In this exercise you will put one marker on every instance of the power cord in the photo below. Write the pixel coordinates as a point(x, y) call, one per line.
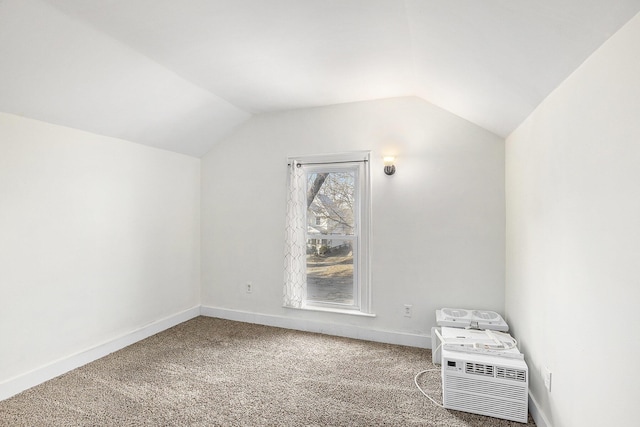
point(415, 380)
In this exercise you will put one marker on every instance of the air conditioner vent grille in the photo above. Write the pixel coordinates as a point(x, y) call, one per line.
point(487, 405)
point(511, 374)
point(485, 315)
point(479, 369)
point(455, 312)
point(486, 386)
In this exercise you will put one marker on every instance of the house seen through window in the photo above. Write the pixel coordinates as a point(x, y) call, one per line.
point(331, 236)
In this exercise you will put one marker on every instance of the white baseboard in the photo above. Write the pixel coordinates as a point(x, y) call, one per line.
point(348, 331)
point(536, 413)
point(37, 376)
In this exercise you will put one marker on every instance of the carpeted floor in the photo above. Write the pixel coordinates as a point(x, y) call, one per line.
point(213, 372)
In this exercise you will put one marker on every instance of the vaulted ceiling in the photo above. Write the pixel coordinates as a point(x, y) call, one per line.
point(182, 74)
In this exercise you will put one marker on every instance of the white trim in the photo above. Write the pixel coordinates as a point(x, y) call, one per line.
point(348, 331)
point(536, 413)
point(25, 381)
point(332, 309)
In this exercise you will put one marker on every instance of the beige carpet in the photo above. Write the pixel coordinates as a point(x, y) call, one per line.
point(213, 372)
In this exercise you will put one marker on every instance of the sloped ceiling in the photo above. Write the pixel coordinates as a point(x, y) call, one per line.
point(182, 74)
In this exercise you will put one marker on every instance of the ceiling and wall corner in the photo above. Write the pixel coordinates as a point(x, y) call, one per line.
point(573, 238)
point(61, 70)
point(182, 75)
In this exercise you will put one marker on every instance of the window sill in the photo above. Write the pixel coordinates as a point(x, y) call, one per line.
point(334, 310)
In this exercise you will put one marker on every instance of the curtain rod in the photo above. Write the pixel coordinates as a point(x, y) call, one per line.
point(329, 163)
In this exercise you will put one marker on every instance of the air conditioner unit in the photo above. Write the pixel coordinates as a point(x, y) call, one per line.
point(494, 386)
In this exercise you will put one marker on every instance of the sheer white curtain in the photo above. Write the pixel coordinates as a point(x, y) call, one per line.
point(295, 275)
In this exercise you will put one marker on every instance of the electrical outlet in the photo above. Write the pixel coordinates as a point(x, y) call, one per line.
point(546, 376)
point(249, 287)
point(408, 308)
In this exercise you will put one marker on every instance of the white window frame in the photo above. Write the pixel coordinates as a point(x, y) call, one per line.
point(359, 162)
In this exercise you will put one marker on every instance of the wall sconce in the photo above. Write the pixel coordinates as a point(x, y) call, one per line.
point(389, 167)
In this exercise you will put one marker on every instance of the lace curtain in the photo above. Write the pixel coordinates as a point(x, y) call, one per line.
point(295, 275)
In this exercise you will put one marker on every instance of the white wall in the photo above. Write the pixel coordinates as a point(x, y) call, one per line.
point(98, 237)
point(573, 239)
point(438, 223)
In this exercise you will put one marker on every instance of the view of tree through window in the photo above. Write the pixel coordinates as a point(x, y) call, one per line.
point(331, 234)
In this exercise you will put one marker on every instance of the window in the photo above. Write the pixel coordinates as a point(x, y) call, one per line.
point(327, 256)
